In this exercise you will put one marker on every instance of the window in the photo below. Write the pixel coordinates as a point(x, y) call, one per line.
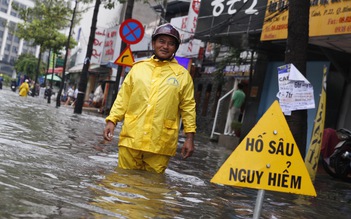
point(13, 13)
point(2, 23)
point(14, 49)
point(9, 37)
point(5, 58)
point(12, 60)
point(8, 47)
point(16, 39)
point(4, 5)
point(5, 2)
point(3, 10)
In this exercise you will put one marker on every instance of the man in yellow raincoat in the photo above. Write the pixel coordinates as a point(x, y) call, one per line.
point(24, 88)
point(155, 94)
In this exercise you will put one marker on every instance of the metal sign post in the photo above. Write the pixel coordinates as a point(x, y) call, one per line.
point(259, 203)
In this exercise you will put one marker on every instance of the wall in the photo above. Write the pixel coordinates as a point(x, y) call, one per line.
point(207, 93)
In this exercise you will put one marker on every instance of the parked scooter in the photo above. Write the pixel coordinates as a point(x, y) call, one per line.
point(336, 154)
point(13, 86)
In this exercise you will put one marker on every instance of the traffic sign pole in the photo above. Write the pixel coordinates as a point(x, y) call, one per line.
point(259, 204)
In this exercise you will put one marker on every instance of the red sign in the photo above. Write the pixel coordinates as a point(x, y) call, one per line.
point(131, 31)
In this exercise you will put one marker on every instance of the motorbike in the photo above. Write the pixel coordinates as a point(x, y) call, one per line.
point(13, 86)
point(336, 154)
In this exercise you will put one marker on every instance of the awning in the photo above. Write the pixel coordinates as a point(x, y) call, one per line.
point(51, 77)
point(94, 68)
point(56, 70)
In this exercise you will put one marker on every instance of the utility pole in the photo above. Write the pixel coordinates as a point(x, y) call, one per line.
point(296, 53)
point(47, 68)
point(128, 15)
point(37, 72)
point(58, 99)
point(82, 86)
point(163, 12)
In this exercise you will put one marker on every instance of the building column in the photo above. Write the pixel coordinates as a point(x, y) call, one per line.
point(3, 45)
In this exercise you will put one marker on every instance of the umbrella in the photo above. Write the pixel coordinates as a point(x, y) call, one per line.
point(51, 77)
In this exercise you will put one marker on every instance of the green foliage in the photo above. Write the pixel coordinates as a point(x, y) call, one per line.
point(7, 80)
point(27, 64)
point(111, 3)
point(43, 22)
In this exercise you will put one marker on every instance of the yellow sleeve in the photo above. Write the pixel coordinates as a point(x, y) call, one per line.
point(121, 102)
point(188, 106)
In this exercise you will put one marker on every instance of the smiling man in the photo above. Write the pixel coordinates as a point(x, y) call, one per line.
point(155, 94)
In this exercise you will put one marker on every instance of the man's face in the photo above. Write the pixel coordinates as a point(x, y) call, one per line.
point(164, 46)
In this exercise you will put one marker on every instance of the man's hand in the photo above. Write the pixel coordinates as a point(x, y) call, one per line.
point(188, 146)
point(109, 130)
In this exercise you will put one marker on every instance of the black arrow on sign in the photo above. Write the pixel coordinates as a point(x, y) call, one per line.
point(125, 56)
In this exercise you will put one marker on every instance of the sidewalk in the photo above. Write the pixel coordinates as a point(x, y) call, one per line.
point(86, 109)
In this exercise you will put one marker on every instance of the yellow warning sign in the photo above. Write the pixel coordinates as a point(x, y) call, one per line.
point(267, 158)
point(126, 58)
point(314, 150)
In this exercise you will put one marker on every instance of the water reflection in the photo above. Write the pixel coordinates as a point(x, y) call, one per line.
point(138, 194)
point(133, 194)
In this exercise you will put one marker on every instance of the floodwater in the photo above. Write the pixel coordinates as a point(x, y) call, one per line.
point(55, 164)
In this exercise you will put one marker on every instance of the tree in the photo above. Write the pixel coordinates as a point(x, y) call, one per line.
point(296, 53)
point(27, 64)
point(42, 24)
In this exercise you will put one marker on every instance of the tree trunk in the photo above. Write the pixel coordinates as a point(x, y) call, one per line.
point(296, 53)
point(58, 99)
point(163, 12)
point(82, 86)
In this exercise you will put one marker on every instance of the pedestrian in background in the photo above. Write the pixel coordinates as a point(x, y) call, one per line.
point(70, 95)
point(155, 94)
point(91, 97)
point(24, 88)
point(1, 80)
point(236, 102)
point(75, 96)
point(48, 93)
point(98, 96)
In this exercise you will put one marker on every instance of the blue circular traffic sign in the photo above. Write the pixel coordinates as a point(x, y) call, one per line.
point(131, 31)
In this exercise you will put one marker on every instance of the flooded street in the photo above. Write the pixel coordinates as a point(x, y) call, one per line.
point(55, 164)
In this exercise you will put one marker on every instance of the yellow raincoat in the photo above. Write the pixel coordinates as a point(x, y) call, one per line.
point(24, 89)
point(153, 97)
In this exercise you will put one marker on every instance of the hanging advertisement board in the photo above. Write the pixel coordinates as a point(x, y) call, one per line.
point(226, 17)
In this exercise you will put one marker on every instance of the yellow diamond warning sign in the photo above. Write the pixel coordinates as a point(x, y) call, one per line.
point(267, 158)
point(126, 58)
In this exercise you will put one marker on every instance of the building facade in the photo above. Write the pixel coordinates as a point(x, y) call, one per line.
point(10, 45)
